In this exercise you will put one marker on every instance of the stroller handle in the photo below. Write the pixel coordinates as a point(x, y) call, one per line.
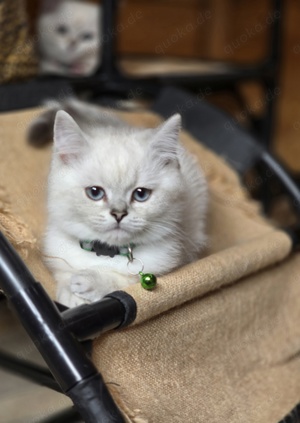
point(67, 361)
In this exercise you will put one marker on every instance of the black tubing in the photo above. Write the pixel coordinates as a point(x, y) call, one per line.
point(62, 352)
point(293, 416)
point(279, 171)
point(100, 403)
point(90, 320)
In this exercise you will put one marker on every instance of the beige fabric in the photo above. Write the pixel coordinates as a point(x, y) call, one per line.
point(217, 340)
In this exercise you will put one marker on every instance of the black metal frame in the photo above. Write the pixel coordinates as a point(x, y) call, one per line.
point(55, 335)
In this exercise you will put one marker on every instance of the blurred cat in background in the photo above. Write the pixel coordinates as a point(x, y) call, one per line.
point(69, 37)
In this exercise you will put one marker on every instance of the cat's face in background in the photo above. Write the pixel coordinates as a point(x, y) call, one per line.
point(119, 189)
point(69, 35)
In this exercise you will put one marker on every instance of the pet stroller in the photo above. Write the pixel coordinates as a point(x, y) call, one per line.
point(218, 340)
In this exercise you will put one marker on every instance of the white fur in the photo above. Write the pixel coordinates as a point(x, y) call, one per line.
point(168, 228)
point(69, 53)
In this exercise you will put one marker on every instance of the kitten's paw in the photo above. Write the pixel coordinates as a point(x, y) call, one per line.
point(67, 298)
point(87, 285)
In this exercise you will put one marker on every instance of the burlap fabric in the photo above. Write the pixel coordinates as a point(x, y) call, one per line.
point(218, 340)
point(17, 54)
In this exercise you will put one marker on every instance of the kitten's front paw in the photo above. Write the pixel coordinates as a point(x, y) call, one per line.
point(86, 285)
point(67, 298)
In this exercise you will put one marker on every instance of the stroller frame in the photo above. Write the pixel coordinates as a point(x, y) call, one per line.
point(56, 333)
point(62, 335)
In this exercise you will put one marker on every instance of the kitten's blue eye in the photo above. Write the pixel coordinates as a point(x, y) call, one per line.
point(141, 194)
point(95, 193)
point(86, 36)
point(62, 29)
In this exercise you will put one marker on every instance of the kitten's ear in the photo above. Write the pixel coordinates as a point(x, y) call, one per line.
point(165, 142)
point(69, 141)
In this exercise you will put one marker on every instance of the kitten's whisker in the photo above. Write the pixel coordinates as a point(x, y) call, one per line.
point(172, 228)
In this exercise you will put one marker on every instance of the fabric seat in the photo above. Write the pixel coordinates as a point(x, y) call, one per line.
point(219, 338)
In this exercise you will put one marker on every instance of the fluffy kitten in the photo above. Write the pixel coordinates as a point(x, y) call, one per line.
point(69, 37)
point(120, 185)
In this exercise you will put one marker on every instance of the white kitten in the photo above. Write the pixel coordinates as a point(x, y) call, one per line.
point(122, 186)
point(69, 37)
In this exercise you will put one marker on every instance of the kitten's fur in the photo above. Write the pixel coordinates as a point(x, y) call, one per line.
point(101, 150)
point(69, 37)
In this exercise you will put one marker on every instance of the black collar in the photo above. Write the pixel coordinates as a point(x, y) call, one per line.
point(103, 249)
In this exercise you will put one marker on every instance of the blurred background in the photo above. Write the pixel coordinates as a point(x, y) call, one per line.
point(239, 31)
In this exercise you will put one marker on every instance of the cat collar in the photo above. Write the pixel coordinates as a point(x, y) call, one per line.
point(103, 249)
point(148, 280)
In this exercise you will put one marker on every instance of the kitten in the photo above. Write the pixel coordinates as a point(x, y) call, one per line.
point(69, 37)
point(123, 186)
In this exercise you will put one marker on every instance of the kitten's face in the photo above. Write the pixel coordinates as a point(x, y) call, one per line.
point(69, 32)
point(122, 188)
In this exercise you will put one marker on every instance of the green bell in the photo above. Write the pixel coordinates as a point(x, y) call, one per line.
point(148, 280)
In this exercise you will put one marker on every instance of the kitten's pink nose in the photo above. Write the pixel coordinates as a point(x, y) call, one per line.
point(118, 215)
point(72, 44)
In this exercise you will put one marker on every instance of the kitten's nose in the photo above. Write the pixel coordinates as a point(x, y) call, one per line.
point(72, 44)
point(118, 215)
